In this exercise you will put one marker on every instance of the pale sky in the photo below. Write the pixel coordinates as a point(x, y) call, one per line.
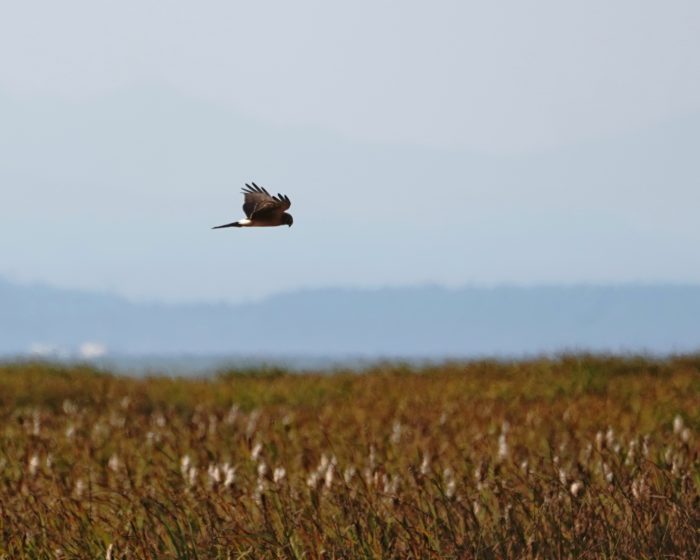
point(442, 142)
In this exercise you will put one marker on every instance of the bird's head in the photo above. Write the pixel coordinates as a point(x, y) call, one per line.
point(287, 219)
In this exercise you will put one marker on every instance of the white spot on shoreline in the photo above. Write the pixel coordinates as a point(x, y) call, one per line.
point(90, 350)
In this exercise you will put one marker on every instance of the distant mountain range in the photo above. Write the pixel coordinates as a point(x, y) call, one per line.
point(428, 322)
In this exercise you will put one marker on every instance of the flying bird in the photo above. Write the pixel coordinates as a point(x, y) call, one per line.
point(262, 209)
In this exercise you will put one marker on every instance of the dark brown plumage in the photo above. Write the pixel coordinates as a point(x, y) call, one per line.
point(262, 209)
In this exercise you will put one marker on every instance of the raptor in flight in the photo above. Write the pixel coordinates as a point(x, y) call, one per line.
point(262, 209)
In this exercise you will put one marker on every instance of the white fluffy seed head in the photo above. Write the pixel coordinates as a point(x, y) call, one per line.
point(36, 423)
point(668, 456)
point(678, 424)
point(231, 415)
point(425, 465)
point(328, 477)
point(192, 476)
point(214, 474)
point(33, 464)
point(640, 490)
point(448, 478)
point(563, 477)
point(252, 423)
point(349, 474)
point(79, 488)
point(185, 463)
point(576, 488)
point(279, 474)
point(396, 432)
point(158, 419)
point(229, 475)
point(610, 437)
point(68, 407)
point(608, 473)
point(502, 447)
point(312, 479)
point(325, 472)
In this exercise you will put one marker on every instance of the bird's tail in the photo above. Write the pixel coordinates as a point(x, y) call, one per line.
point(232, 224)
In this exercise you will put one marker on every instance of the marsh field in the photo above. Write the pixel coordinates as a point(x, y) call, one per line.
point(573, 457)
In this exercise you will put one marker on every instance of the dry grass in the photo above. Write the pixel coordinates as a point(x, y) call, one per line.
point(581, 457)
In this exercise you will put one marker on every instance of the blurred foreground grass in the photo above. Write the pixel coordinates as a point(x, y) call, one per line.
point(581, 457)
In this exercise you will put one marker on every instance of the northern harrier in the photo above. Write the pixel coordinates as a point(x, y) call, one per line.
point(262, 209)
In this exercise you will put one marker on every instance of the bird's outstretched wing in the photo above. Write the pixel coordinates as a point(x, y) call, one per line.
point(258, 201)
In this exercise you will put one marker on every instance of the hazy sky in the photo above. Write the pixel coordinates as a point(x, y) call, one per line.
point(446, 142)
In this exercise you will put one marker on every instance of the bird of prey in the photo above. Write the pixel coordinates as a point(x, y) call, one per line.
point(262, 209)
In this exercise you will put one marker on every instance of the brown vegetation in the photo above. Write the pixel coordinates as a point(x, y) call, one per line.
point(580, 457)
